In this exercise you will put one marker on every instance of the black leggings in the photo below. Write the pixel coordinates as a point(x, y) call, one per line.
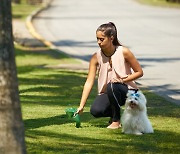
point(108, 104)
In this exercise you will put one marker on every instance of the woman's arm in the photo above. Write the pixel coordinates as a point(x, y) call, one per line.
point(134, 64)
point(89, 82)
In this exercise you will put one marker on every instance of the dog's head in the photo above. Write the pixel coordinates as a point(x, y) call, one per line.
point(135, 100)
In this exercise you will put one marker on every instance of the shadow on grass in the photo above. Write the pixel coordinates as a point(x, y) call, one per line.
point(42, 122)
point(40, 52)
point(17, 16)
point(159, 106)
point(47, 89)
point(61, 88)
point(119, 143)
point(55, 120)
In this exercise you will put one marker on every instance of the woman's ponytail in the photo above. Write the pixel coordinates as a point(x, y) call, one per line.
point(109, 30)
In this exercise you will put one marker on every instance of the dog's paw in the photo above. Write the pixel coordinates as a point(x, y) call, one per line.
point(138, 133)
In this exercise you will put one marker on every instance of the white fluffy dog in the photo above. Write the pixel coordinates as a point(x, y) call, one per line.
point(134, 119)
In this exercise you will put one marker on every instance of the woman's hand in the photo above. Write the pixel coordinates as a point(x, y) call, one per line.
point(80, 110)
point(134, 64)
point(117, 80)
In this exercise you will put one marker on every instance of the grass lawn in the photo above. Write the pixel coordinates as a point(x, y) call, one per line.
point(160, 3)
point(21, 11)
point(45, 93)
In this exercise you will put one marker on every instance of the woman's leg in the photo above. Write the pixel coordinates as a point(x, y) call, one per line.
point(117, 97)
point(101, 106)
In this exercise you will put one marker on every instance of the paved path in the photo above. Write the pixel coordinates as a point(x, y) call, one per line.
point(152, 34)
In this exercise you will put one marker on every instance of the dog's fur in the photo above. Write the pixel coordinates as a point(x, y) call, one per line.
point(134, 119)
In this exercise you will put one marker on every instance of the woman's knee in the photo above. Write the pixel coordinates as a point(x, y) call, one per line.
point(101, 106)
point(96, 112)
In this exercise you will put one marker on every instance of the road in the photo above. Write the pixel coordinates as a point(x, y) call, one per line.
point(151, 33)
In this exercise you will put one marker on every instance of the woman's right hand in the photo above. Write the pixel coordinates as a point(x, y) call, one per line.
point(80, 110)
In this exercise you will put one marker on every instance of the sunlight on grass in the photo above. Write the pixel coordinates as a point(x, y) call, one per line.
point(45, 93)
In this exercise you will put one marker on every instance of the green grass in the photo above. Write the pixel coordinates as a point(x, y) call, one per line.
point(160, 3)
point(45, 93)
point(22, 10)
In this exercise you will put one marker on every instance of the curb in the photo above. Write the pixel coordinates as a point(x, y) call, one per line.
point(31, 28)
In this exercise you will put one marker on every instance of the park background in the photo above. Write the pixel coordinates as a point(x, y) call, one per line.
point(47, 90)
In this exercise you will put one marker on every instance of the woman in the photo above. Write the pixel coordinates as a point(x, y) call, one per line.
point(114, 63)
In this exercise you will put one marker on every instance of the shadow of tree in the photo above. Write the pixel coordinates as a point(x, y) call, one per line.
point(162, 91)
point(55, 120)
point(59, 88)
point(39, 52)
point(73, 43)
point(28, 42)
point(18, 16)
point(160, 106)
point(42, 122)
point(159, 60)
point(49, 89)
point(119, 143)
point(66, 87)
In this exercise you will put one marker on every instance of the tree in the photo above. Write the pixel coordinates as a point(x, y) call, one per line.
point(11, 125)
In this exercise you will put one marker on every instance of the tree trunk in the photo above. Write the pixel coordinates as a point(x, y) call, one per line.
point(16, 1)
point(11, 125)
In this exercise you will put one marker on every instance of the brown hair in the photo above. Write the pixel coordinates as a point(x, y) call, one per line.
point(109, 30)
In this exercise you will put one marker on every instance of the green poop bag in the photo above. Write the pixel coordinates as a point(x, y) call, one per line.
point(72, 113)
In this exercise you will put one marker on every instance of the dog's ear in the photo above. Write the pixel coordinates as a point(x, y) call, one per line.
point(136, 90)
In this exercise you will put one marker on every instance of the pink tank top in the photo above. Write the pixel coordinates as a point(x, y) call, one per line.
point(120, 69)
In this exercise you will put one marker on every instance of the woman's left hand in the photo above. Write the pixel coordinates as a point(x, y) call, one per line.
point(117, 80)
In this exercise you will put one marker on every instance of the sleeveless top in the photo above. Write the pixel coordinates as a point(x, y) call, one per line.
point(120, 69)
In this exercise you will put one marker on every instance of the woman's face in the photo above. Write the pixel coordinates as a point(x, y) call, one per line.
point(103, 41)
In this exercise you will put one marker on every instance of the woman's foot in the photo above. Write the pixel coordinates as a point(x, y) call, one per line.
point(114, 125)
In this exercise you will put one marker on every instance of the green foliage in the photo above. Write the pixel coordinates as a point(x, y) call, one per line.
point(45, 94)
